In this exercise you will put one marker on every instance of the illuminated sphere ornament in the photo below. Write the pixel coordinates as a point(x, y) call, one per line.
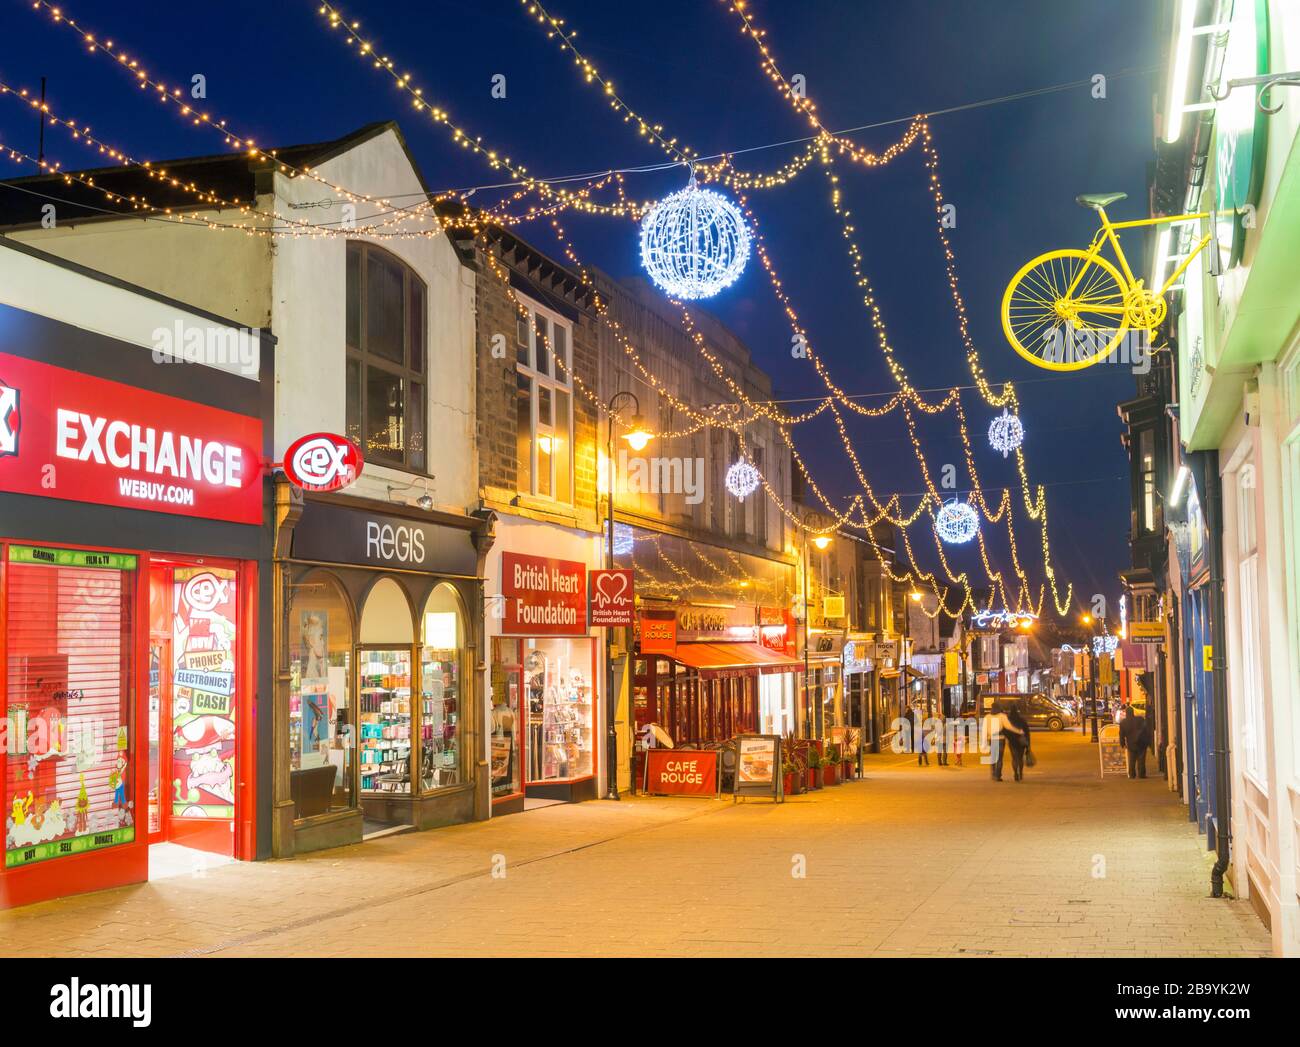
point(1104, 645)
point(956, 522)
point(1006, 433)
point(743, 479)
point(694, 243)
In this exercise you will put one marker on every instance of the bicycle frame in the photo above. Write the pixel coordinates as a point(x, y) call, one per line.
point(1107, 232)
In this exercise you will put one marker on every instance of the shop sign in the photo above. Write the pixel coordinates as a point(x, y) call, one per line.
point(681, 773)
point(724, 623)
point(857, 657)
point(758, 766)
point(832, 607)
point(68, 435)
point(776, 630)
point(611, 599)
point(1146, 632)
point(322, 462)
point(543, 596)
point(659, 633)
point(344, 535)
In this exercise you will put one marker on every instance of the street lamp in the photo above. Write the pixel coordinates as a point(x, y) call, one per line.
point(637, 437)
point(822, 542)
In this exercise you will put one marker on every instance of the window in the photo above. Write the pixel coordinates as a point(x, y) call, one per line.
point(1251, 623)
point(543, 404)
point(320, 716)
point(1147, 465)
point(70, 767)
point(441, 672)
point(387, 324)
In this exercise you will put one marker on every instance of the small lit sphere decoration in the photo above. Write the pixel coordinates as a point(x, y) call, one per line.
point(956, 522)
point(743, 479)
point(1006, 433)
point(694, 243)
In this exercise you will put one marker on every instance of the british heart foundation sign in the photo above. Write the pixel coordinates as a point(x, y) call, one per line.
point(610, 599)
point(64, 434)
point(543, 596)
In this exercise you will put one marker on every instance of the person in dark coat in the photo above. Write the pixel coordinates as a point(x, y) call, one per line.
point(1135, 736)
point(1018, 743)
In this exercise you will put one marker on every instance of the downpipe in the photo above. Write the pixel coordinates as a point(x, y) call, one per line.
point(1218, 673)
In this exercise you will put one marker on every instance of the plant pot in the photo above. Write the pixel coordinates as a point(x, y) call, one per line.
point(847, 769)
point(814, 778)
point(787, 783)
point(828, 775)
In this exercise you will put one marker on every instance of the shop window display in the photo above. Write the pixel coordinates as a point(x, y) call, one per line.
point(321, 730)
point(506, 685)
point(384, 711)
point(67, 728)
point(547, 683)
point(203, 692)
point(440, 691)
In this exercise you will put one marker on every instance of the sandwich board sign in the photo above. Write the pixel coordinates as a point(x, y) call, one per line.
point(758, 766)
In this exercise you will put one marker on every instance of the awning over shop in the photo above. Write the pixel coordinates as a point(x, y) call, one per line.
point(734, 659)
point(913, 672)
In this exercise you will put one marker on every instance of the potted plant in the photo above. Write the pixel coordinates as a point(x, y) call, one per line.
point(792, 776)
point(814, 768)
point(831, 765)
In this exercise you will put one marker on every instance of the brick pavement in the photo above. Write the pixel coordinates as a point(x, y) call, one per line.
point(912, 861)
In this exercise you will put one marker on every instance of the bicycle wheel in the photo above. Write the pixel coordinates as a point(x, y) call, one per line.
point(1064, 310)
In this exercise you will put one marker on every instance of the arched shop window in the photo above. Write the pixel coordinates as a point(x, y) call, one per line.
point(321, 748)
point(441, 676)
point(384, 709)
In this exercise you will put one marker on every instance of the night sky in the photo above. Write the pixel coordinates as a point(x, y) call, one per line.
point(1012, 171)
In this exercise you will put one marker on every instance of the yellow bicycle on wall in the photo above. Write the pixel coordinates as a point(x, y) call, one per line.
point(1067, 310)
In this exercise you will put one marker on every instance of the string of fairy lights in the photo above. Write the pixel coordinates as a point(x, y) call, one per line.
point(557, 200)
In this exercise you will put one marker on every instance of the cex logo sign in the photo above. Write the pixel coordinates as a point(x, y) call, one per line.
point(322, 462)
point(10, 420)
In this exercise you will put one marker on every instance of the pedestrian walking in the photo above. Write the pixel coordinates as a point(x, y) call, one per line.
point(918, 736)
point(941, 739)
point(997, 729)
point(1018, 741)
point(959, 743)
point(1135, 736)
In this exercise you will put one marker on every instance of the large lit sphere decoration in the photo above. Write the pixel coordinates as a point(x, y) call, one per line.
point(694, 243)
point(956, 522)
point(1006, 433)
point(743, 479)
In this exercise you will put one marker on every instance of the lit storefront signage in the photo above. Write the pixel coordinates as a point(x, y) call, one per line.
point(857, 657)
point(659, 633)
point(738, 624)
point(322, 462)
point(345, 535)
point(68, 435)
point(611, 599)
point(543, 596)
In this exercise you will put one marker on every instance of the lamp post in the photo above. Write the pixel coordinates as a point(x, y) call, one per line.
point(822, 541)
point(637, 437)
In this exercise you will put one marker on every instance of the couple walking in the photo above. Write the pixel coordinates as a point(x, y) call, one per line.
point(1003, 730)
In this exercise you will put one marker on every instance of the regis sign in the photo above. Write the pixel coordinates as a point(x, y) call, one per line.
point(64, 434)
point(322, 462)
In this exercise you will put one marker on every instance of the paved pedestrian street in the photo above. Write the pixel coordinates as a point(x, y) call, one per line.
point(929, 861)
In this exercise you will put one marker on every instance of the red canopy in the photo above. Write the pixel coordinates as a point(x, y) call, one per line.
point(734, 659)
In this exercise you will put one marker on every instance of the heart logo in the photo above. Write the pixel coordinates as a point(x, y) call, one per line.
point(610, 589)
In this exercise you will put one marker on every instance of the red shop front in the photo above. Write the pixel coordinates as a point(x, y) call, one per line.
point(130, 541)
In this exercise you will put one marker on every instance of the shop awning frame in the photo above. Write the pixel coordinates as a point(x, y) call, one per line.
point(720, 660)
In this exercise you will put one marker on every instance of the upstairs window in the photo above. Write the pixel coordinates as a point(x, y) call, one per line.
point(543, 404)
point(387, 325)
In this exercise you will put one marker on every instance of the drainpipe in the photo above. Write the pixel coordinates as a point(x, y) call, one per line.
point(1218, 669)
